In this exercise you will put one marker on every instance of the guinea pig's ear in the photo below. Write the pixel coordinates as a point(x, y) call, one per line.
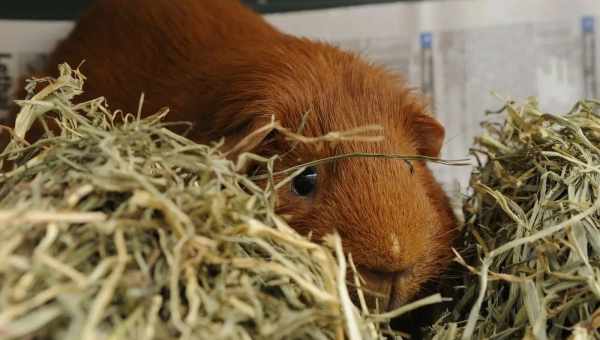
point(429, 134)
point(249, 137)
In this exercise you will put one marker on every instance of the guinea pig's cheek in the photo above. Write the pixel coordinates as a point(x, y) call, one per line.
point(297, 211)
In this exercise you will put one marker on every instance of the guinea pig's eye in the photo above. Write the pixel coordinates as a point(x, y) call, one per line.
point(305, 183)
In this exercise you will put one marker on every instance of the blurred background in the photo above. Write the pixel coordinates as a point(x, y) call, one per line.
point(69, 9)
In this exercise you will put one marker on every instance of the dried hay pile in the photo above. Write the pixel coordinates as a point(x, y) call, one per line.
point(116, 228)
point(532, 231)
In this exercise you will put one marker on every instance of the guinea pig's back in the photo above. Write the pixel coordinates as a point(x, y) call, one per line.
point(138, 46)
point(162, 48)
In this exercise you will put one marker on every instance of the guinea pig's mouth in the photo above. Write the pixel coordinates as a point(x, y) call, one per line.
point(387, 290)
point(399, 289)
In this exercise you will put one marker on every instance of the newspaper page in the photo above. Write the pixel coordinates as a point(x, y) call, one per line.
point(467, 56)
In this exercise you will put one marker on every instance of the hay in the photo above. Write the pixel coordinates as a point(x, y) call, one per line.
point(532, 231)
point(116, 228)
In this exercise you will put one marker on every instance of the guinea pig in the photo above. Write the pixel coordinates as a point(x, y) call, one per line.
point(221, 66)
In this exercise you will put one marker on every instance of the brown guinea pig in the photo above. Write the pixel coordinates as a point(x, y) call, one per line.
point(221, 66)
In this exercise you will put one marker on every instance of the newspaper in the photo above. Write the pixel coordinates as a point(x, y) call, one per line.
point(466, 55)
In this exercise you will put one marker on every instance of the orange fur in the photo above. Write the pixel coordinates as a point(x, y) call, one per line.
point(222, 67)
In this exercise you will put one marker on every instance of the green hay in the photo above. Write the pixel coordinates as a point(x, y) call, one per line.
point(532, 229)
